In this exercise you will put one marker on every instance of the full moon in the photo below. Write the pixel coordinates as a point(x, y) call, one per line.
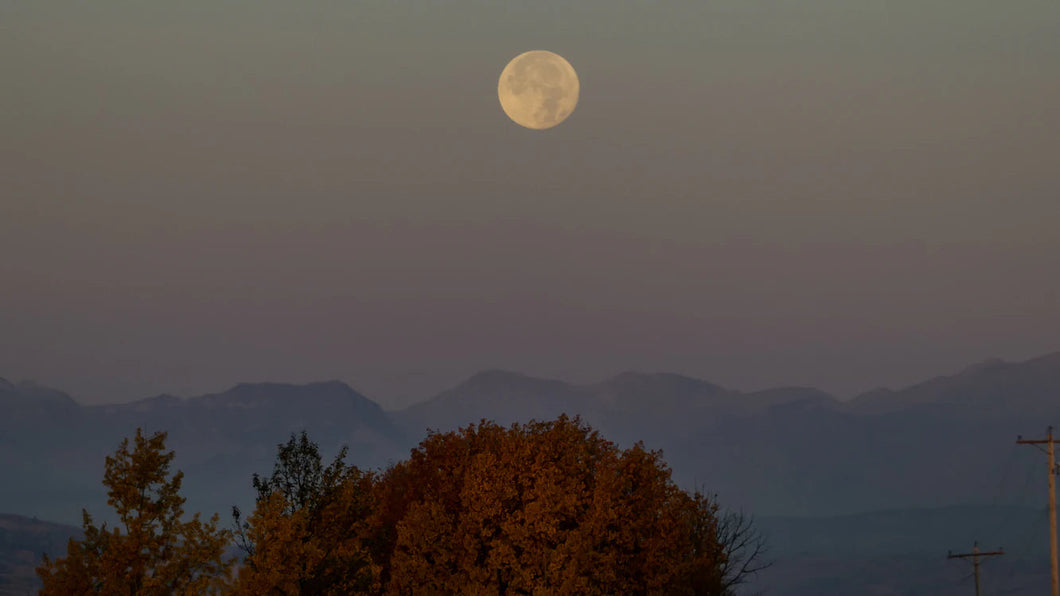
point(538, 89)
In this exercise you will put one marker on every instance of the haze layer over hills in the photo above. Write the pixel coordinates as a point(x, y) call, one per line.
point(783, 451)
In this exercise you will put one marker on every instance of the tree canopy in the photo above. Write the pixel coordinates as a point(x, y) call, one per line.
point(544, 507)
point(305, 534)
point(541, 507)
point(153, 551)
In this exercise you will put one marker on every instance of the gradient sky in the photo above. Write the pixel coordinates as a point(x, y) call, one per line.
point(821, 192)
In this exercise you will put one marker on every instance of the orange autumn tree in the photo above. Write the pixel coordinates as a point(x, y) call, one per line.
point(546, 507)
point(153, 551)
point(305, 534)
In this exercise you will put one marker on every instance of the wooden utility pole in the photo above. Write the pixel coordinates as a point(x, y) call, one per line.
point(1048, 440)
point(974, 555)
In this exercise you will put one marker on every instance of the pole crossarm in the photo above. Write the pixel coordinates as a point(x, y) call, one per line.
point(1036, 443)
point(982, 554)
point(975, 556)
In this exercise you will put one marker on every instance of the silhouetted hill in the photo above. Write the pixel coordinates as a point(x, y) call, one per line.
point(782, 451)
point(220, 439)
point(501, 396)
point(990, 386)
point(31, 394)
point(794, 450)
point(28, 403)
point(627, 391)
point(782, 454)
point(626, 408)
point(22, 542)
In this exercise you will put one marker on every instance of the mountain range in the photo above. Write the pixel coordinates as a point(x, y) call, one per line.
point(791, 456)
point(782, 451)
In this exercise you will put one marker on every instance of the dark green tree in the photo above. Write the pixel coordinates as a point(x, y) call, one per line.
point(305, 535)
point(299, 473)
point(300, 477)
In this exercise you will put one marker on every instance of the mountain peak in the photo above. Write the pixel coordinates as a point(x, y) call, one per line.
point(30, 392)
point(324, 394)
point(264, 388)
point(992, 383)
point(496, 374)
point(1050, 359)
point(661, 379)
point(496, 380)
point(987, 365)
point(498, 395)
point(165, 399)
point(638, 390)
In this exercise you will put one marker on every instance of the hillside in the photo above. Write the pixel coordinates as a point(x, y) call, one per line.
point(22, 542)
point(784, 451)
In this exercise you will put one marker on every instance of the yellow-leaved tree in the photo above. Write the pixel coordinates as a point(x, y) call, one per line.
point(154, 551)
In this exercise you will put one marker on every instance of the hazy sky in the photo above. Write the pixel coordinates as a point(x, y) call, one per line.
point(820, 192)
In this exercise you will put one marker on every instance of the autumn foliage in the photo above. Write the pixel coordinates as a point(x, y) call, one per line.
point(306, 535)
point(547, 507)
point(153, 551)
point(542, 508)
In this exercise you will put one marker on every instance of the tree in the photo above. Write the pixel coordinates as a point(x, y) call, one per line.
point(299, 476)
point(304, 536)
point(154, 551)
point(545, 507)
point(745, 549)
point(542, 507)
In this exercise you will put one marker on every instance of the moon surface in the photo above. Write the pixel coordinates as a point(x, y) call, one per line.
point(538, 89)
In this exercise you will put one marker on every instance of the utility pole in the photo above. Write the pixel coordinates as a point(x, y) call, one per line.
point(1048, 440)
point(974, 555)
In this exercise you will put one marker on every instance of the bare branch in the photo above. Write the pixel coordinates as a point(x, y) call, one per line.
point(744, 547)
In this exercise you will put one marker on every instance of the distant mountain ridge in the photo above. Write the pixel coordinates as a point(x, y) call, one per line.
point(781, 451)
point(932, 465)
point(22, 542)
point(993, 382)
